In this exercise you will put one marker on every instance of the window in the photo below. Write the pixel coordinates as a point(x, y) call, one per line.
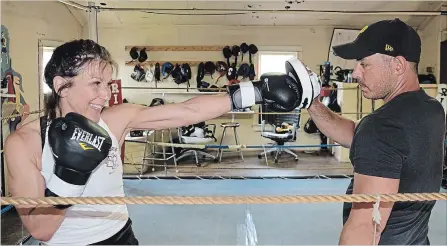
point(47, 52)
point(270, 61)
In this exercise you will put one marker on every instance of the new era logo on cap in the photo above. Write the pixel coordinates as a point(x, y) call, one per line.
point(389, 48)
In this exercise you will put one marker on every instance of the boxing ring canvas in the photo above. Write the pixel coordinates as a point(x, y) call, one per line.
point(275, 224)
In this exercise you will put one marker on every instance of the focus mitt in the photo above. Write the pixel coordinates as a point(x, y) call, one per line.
point(309, 81)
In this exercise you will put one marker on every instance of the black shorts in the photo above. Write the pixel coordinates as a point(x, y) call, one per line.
point(124, 237)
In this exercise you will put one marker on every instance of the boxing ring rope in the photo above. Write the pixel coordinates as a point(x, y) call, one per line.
point(210, 89)
point(219, 200)
point(4, 118)
point(239, 146)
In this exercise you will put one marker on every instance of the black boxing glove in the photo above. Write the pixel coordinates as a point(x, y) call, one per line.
point(278, 91)
point(78, 145)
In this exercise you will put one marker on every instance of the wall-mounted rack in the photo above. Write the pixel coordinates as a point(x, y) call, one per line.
point(148, 63)
point(177, 48)
point(172, 48)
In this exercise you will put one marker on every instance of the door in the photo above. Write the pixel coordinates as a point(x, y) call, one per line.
point(443, 72)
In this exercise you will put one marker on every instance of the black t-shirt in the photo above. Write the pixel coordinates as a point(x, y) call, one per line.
point(404, 139)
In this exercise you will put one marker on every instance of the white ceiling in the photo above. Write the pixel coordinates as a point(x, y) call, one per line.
point(249, 12)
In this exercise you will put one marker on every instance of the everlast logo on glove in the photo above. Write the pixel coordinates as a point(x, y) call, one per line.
point(87, 137)
point(69, 137)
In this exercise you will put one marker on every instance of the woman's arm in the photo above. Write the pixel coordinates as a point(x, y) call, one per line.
point(192, 111)
point(25, 180)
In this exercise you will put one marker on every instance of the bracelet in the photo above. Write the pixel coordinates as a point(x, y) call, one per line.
point(49, 193)
point(61, 207)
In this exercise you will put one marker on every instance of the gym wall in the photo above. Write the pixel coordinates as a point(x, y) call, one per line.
point(313, 42)
point(27, 22)
point(431, 37)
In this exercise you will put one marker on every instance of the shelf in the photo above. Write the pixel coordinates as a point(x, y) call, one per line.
point(148, 63)
point(176, 48)
point(187, 92)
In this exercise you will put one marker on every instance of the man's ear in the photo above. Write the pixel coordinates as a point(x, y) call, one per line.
point(58, 83)
point(400, 65)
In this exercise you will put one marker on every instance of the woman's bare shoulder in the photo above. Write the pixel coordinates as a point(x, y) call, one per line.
point(25, 140)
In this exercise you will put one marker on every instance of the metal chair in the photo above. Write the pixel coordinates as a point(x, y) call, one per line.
point(197, 140)
point(226, 125)
point(280, 138)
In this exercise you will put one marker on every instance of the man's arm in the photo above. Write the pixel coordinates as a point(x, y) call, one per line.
point(359, 228)
point(378, 157)
point(25, 180)
point(334, 126)
point(192, 111)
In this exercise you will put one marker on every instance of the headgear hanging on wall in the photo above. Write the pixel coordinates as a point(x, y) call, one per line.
point(143, 55)
point(251, 72)
point(176, 74)
point(167, 69)
point(149, 74)
point(157, 72)
point(181, 73)
point(209, 68)
point(186, 71)
point(134, 53)
point(252, 50)
point(200, 72)
point(222, 68)
point(244, 49)
point(138, 73)
point(244, 71)
point(235, 50)
point(232, 72)
point(227, 54)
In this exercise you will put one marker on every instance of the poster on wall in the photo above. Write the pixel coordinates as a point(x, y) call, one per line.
point(116, 98)
point(13, 104)
point(442, 96)
point(342, 36)
point(12, 93)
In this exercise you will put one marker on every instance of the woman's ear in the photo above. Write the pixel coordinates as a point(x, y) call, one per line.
point(58, 83)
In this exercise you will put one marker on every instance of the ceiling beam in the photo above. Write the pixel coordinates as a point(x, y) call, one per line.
point(427, 20)
point(73, 4)
point(341, 12)
point(437, 11)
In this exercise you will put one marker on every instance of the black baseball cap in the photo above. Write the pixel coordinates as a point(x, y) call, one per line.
point(388, 37)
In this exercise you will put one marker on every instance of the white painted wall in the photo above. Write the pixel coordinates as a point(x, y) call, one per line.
point(431, 37)
point(27, 22)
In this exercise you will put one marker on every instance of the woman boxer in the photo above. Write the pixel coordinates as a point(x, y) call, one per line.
point(43, 160)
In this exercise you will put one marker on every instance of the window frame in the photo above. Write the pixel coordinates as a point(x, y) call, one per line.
point(276, 50)
point(43, 44)
point(272, 50)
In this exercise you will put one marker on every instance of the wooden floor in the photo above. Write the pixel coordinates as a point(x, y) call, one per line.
point(11, 228)
point(232, 165)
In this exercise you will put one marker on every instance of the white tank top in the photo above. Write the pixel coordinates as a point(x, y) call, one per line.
point(87, 224)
